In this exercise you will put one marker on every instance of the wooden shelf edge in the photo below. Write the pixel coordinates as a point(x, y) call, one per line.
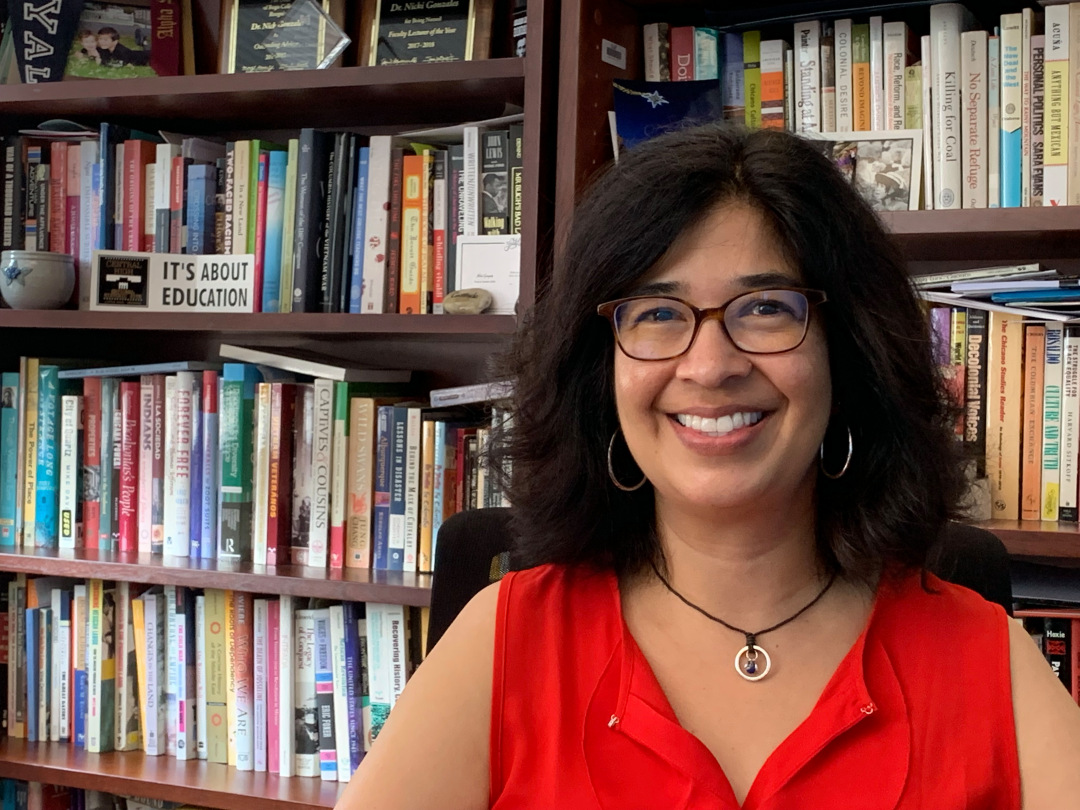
point(313, 323)
point(1033, 538)
point(270, 82)
point(349, 584)
point(135, 774)
point(1000, 222)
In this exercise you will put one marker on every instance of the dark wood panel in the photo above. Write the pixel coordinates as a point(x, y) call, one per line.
point(357, 96)
point(296, 323)
point(134, 773)
point(1033, 538)
point(351, 584)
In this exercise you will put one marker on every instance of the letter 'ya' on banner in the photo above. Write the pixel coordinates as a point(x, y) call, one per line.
point(42, 31)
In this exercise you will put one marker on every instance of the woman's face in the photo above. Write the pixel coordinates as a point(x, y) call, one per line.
point(784, 399)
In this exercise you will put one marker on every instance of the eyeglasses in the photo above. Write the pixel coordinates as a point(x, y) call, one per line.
point(650, 327)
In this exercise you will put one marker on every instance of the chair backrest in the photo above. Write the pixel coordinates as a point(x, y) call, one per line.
point(472, 552)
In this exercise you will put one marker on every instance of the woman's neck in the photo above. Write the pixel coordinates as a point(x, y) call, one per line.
point(752, 570)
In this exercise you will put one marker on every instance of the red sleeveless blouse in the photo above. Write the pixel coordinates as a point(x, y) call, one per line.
point(917, 715)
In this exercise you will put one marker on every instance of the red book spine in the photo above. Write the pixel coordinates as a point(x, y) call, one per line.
point(146, 462)
point(157, 468)
point(74, 171)
point(92, 460)
point(460, 487)
point(176, 205)
point(165, 24)
point(58, 179)
point(279, 519)
point(273, 691)
point(393, 242)
point(450, 472)
point(682, 53)
point(1074, 632)
point(261, 193)
point(129, 467)
point(138, 155)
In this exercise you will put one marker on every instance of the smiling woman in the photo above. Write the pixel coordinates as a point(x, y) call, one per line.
point(731, 455)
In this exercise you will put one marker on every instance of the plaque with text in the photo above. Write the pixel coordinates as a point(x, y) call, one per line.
point(422, 31)
point(288, 35)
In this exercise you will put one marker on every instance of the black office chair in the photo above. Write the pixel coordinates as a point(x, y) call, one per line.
point(473, 551)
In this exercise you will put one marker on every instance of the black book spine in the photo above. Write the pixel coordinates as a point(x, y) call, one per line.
point(975, 382)
point(516, 145)
point(311, 184)
point(1056, 646)
point(329, 228)
point(219, 207)
point(393, 242)
point(345, 241)
point(494, 182)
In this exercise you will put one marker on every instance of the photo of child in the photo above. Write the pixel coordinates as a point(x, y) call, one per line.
point(113, 42)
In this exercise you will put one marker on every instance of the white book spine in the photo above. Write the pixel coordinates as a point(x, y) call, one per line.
point(789, 91)
point(93, 667)
point(341, 694)
point(89, 213)
point(168, 501)
point(394, 625)
point(929, 158)
point(202, 744)
point(1011, 94)
point(470, 202)
point(286, 701)
point(306, 716)
point(1070, 425)
point(70, 408)
point(1074, 104)
point(828, 78)
point(1056, 110)
point(808, 78)
point(413, 464)
point(152, 739)
point(373, 294)
point(172, 667)
point(261, 496)
point(259, 696)
point(321, 472)
point(654, 35)
point(146, 462)
point(60, 711)
point(896, 58)
point(845, 121)
point(1027, 28)
point(973, 53)
point(1051, 450)
point(947, 20)
point(877, 74)
point(993, 121)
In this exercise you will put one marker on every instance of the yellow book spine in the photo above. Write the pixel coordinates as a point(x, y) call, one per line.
point(217, 679)
point(29, 459)
point(427, 495)
point(138, 623)
point(230, 690)
point(752, 78)
point(1004, 414)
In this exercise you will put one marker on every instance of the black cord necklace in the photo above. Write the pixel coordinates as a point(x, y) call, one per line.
point(746, 660)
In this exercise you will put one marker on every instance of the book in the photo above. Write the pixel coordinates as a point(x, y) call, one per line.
point(313, 365)
point(236, 419)
point(1051, 420)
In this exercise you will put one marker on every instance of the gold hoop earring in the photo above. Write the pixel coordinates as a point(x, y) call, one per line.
point(847, 461)
point(611, 469)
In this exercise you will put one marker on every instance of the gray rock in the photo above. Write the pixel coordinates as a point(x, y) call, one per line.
point(467, 302)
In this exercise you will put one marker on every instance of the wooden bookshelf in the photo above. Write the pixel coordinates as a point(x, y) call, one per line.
point(1033, 538)
point(135, 774)
point(348, 584)
point(296, 323)
point(390, 95)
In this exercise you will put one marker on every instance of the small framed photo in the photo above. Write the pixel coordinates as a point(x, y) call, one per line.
point(884, 167)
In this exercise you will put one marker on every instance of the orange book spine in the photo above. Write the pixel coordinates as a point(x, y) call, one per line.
point(1004, 415)
point(138, 155)
point(1031, 476)
point(413, 244)
point(58, 191)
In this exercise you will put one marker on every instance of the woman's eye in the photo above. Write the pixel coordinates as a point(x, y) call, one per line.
point(658, 315)
point(767, 309)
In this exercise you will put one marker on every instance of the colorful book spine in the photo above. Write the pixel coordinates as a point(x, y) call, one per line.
point(752, 89)
point(202, 190)
point(129, 462)
point(195, 527)
point(346, 715)
point(273, 686)
point(356, 275)
point(973, 62)
point(657, 48)
point(682, 53)
point(146, 462)
point(877, 75)
point(154, 692)
point(424, 560)
point(109, 393)
point(70, 526)
point(184, 610)
point(302, 481)
point(374, 292)
point(157, 494)
point(828, 78)
point(1031, 471)
point(1038, 104)
point(382, 506)
point(127, 723)
point(1004, 414)
point(1070, 427)
point(179, 467)
point(339, 476)
point(261, 474)
point(731, 77)
point(277, 165)
point(240, 705)
point(46, 533)
point(860, 76)
point(101, 668)
point(1027, 30)
point(993, 121)
point(1056, 106)
point(305, 722)
point(79, 606)
point(288, 665)
point(9, 457)
point(321, 473)
point(201, 717)
point(208, 495)
point(1011, 92)
point(773, 58)
point(324, 696)
point(361, 458)
point(237, 416)
point(356, 698)
point(706, 54)
point(1051, 421)
point(279, 506)
point(259, 684)
point(288, 235)
point(217, 677)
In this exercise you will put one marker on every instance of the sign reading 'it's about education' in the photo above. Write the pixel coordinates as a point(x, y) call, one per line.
point(168, 282)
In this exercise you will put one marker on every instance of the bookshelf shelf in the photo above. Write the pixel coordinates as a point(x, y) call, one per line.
point(297, 323)
point(397, 95)
point(1033, 538)
point(134, 773)
point(350, 584)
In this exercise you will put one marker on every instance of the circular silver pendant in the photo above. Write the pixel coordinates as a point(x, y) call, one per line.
point(752, 666)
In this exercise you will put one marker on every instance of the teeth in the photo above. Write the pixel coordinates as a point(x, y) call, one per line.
point(720, 426)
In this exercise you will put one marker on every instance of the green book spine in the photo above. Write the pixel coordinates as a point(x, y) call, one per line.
point(752, 77)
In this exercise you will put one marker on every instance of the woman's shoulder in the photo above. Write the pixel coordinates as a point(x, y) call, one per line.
point(555, 594)
point(919, 600)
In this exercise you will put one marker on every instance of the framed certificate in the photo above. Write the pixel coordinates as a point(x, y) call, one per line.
point(261, 36)
point(395, 32)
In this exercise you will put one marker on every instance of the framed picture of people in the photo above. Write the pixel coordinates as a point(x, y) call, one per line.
point(884, 167)
point(123, 40)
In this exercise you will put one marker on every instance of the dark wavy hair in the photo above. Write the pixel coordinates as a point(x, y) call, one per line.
point(905, 477)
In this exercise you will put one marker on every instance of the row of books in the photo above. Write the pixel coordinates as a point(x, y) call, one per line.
point(1016, 383)
point(993, 106)
point(335, 222)
point(232, 463)
point(16, 794)
point(285, 685)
